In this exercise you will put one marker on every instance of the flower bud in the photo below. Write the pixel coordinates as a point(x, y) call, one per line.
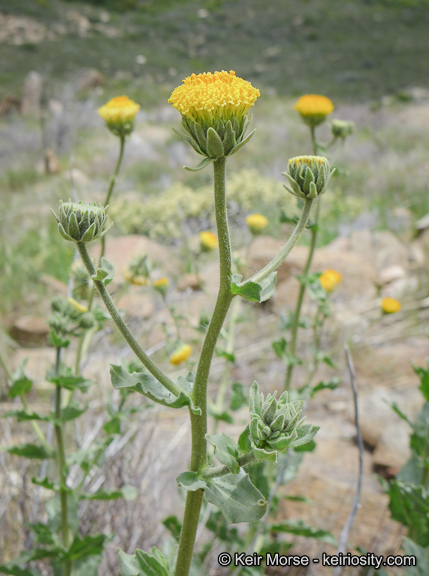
point(256, 223)
point(161, 285)
point(308, 176)
point(274, 422)
point(79, 222)
point(119, 114)
point(342, 128)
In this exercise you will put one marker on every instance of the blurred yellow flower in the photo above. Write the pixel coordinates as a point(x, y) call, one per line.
point(330, 280)
point(256, 223)
point(208, 241)
point(181, 354)
point(206, 98)
point(134, 279)
point(79, 307)
point(161, 285)
point(119, 114)
point(314, 108)
point(390, 305)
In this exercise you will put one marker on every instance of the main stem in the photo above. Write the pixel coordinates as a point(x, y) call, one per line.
point(61, 465)
point(123, 328)
point(303, 285)
point(199, 423)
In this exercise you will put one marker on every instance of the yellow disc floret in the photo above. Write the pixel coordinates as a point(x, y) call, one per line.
point(314, 108)
point(207, 97)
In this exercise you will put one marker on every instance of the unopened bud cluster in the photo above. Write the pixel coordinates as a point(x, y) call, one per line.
point(274, 422)
point(342, 128)
point(79, 222)
point(69, 318)
point(308, 176)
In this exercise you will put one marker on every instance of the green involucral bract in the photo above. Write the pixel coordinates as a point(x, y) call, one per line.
point(224, 139)
point(79, 222)
point(308, 176)
point(275, 423)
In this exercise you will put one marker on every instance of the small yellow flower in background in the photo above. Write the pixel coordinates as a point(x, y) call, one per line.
point(330, 280)
point(161, 285)
point(180, 354)
point(79, 307)
point(256, 223)
point(314, 108)
point(214, 111)
point(119, 114)
point(134, 279)
point(208, 241)
point(390, 305)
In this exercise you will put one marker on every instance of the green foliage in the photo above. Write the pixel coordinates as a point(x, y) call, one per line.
point(255, 291)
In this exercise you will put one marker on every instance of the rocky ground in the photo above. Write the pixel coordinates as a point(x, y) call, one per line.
point(373, 264)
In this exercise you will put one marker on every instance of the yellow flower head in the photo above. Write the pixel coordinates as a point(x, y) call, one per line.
point(208, 241)
point(256, 223)
point(79, 307)
point(314, 108)
point(119, 114)
point(214, 111)
point(180, 354)
point(161, 285)
point(390, 305)
point(330, 280)
point(206, 98)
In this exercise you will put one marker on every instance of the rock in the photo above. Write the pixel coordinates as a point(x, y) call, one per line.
point(423, 223)
point(90, 79)
point(400, 220)
point(380, 249)
point(32, 94)
point(52, 166)
point(358, 276)
point(136, 304)
point(54, 284)
point(10, 104)
point(190, 282)
point(389, 274)
point(122, 249)
point(30, 331)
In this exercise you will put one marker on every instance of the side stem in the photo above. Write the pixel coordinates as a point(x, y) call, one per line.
point(297, 312)
point(123, 328)
point(61, 465)
point(199, 423)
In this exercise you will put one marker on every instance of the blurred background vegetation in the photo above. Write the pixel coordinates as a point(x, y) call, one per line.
point(369, 57)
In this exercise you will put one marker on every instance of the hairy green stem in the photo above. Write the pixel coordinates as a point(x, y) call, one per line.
point(297, 312)
point(123, 328)
point(199, 423)
point(293, 239)
point(83, 341)
point(61, 460)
